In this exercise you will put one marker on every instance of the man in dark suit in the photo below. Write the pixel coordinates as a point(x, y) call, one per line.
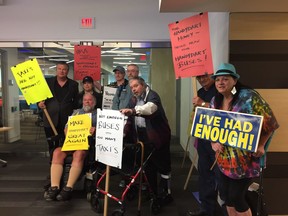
point(61, 105)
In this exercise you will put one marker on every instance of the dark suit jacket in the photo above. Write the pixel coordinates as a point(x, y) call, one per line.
point(60, 110)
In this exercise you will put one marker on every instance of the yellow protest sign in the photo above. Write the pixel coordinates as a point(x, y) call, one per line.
point(30, 80)
point(77, 134)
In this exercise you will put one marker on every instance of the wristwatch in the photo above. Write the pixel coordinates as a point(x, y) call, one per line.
point(203, 104)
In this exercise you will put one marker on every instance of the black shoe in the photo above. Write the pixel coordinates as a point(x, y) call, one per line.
point(51, 193)
point(198, 212)
point(167, 199)
point(65, 194)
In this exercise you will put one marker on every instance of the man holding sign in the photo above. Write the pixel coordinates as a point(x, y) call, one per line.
point(206, 156)
point(61, 105)
point(239, 166)
point(53, 193)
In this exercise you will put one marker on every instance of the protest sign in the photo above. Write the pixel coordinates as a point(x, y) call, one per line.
point(87, 62)
point(109, 137)
point(78, 131)
point(191, 50)
point(31, 82)
point(234, 129)
point(108, 95)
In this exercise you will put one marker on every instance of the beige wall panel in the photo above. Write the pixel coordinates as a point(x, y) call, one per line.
point(164, 83)
point(258, 26)
point(278, 101)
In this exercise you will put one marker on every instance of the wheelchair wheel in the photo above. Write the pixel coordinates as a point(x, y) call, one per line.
point(155, 207)
point(118, 212)
point(97, 204)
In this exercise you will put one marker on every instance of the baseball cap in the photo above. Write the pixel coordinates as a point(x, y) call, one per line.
point(87, 79)
point(119, 68)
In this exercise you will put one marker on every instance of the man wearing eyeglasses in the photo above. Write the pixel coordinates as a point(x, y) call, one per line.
point(207, 178)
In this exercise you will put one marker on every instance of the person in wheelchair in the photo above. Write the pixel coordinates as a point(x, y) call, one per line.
point(58, 157)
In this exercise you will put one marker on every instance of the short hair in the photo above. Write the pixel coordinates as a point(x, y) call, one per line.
point(63, 63)
point(94, 98)
point(140, 80)
point(135, 65)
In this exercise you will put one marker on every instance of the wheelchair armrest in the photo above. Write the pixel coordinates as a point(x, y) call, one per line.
point(55, 138)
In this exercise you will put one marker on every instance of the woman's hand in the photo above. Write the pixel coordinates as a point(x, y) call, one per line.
point(217, 147)
point(260, 151)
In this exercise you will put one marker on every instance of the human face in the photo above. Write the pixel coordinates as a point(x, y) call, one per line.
point(119, 76)
point(205, 81)
point(224, 84)
point(132, 71)
point(88, 102)
point(61, 71)
point(136, 88)
point(88, 86)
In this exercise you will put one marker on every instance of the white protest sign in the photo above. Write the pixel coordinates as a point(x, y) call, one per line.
point(108, 94)
point(109, 137)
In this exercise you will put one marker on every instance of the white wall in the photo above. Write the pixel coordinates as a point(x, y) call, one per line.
point(59, 20)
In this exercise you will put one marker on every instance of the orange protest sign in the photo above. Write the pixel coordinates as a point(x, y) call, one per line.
point(190, 39)
point(87, 62)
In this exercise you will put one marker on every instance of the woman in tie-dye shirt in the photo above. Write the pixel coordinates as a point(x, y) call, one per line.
point(238, 166)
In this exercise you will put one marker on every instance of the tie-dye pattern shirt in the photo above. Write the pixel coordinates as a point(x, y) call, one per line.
point(236, 163)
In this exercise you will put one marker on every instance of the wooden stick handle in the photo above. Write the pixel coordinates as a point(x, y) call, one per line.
point(50, 121)
point(217, 155)
point(107, 190)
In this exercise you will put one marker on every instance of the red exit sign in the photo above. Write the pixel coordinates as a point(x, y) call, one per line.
point(87, 22)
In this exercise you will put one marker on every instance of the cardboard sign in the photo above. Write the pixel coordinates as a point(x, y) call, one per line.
point(78, 131)
point(108, 95)
point(109, 137)
point(87, 62)
point(190, 40)
point(234, 129)
point(31, 82)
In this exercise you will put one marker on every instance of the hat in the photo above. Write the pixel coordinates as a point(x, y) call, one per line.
point(87, 79)
point(226, 69)
point(119, 68)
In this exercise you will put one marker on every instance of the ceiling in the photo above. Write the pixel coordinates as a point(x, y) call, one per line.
point(48, 57)
point(223, 6)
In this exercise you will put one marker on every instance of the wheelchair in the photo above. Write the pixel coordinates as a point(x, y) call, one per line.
point(86, 179)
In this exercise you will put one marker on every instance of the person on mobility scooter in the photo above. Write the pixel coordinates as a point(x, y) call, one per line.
point(56, 171)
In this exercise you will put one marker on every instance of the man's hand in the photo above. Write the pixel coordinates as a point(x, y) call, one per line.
point(197, 101)
point(92, 130)
point(126, 112)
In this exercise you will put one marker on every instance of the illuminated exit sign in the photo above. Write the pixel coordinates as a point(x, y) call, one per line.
point(87, 22)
